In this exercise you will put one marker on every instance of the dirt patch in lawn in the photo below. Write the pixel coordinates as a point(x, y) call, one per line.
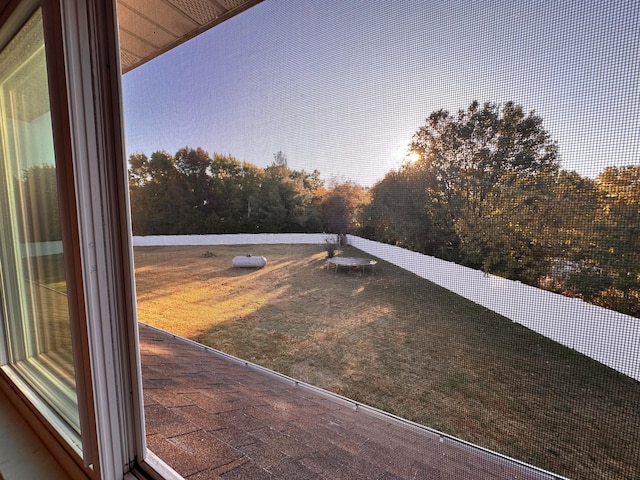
point(402, 344)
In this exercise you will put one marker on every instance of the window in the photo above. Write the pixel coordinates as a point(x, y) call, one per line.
point(35, 308)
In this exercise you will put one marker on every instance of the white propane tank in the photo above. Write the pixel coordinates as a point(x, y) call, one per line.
point(249, 261)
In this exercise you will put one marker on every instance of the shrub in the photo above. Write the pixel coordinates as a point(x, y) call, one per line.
point(331, 248)
point(621, 301)
point(587, 282)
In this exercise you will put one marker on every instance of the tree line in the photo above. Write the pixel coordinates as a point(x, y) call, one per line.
point(193, 193)
point(485, 190)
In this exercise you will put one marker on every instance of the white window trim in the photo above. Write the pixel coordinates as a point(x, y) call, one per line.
point(93, 83)
point(113, 434)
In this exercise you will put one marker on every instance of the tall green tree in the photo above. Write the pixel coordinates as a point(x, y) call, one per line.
point(402, 213)
point(196, 183)
point(236, 189)
point(341, 205)
point(157, 202)
point(286, 200)
point(620, 218)
point(572, 216)
point(619, 238)
point(472, 163)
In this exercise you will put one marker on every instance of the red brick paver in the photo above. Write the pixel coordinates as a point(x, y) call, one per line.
point(212, 417)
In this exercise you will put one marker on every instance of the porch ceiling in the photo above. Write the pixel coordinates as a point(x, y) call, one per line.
point(150, 28)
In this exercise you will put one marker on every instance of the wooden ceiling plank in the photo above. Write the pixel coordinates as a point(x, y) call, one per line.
point(162, 13)
point(200, 11)
point(137, 35)
point(145, 28)
point(135, 46)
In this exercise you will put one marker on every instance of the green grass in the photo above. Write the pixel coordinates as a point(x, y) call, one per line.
point(402, 344)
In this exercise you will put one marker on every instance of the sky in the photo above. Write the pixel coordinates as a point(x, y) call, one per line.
point(342, 85)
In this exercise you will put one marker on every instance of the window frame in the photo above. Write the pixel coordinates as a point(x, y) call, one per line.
point(64, 443)
point(86, 109)
point(97, 146)
point(27, 346)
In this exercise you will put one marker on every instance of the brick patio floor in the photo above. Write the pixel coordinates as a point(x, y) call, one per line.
point(212, 417)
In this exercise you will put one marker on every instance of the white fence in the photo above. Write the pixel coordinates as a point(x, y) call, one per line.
point(233, 239)
point(609, 337)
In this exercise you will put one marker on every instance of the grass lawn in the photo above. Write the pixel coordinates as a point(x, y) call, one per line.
point(404, 345)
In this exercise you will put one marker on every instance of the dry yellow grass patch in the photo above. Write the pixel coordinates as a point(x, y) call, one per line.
point(401, 344)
